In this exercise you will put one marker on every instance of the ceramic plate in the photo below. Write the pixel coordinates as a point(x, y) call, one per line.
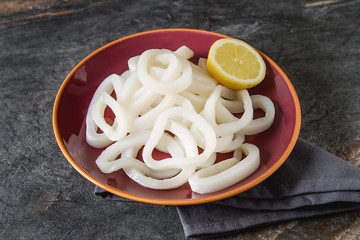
point(75, 94)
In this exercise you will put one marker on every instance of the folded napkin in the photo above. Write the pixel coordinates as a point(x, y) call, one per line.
point(311, 182)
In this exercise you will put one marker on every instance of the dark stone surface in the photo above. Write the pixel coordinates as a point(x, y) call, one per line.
point(317, 44)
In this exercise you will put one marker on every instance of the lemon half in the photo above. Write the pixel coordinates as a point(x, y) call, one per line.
point(235, 64)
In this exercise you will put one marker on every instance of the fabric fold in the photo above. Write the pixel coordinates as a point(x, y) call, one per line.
point(221, 220)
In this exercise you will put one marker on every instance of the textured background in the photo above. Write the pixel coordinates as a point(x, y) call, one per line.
point(316, 43)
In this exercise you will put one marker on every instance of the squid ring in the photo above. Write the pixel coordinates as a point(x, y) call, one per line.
point(227, 172)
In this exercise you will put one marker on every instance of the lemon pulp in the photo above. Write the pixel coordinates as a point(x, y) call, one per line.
point(235, 64)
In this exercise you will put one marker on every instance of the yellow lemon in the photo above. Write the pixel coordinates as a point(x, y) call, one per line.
point(235, 64)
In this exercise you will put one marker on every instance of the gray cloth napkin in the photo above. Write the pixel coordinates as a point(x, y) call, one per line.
point(311, 182)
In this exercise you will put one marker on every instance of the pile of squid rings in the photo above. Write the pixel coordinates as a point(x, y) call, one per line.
point(166, 103)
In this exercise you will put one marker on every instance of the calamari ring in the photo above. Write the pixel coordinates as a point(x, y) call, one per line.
point(120, 127)
point(209, 113)
point(184, 162)
point(112, 83)
point(137, 170)
point(226, 173)
point(260, 124)
point(169, 84)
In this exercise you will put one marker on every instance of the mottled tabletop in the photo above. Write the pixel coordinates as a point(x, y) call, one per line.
point(316, 43)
